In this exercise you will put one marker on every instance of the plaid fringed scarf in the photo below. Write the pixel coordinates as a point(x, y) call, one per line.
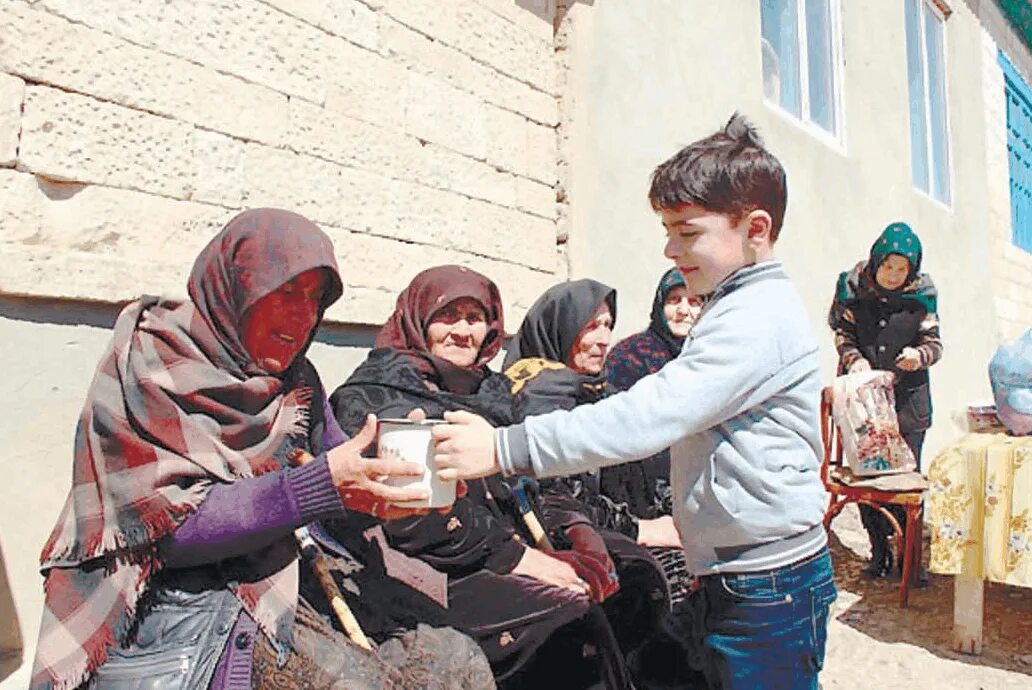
point(175, 406)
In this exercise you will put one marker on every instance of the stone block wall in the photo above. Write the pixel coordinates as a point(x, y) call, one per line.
point(415, 132)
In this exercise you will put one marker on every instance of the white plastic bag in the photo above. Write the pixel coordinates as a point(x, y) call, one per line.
point(864, 409)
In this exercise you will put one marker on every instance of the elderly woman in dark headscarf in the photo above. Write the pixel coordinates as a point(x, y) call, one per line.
point(884, 316)
point(557, 362)
point(645, 486)
point(432, 354)
point(174, 562)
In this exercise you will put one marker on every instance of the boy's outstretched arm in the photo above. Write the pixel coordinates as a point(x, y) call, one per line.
point(722, 372)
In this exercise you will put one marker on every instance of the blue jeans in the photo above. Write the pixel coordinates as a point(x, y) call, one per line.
point(761, 630)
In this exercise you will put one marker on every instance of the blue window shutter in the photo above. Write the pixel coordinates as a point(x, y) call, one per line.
point(1019, 152)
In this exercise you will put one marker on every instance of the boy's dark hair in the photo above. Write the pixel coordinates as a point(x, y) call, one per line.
point(728, 172)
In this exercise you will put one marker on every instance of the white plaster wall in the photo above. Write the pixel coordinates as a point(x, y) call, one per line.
point(648, 78)
point(45, 371)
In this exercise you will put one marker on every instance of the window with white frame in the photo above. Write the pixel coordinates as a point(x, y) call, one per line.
point(800, 53)
point(926, 76)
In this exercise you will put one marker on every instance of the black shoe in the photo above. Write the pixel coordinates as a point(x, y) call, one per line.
point(881, 564)
point(877, 570)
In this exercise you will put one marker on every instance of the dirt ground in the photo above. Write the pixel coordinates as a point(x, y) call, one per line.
point(872, 643)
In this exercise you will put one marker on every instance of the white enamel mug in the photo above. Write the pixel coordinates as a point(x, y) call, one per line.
point(412, 442)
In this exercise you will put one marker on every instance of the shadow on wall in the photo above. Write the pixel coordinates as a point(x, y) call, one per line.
point(103, 315)
point(59, 312)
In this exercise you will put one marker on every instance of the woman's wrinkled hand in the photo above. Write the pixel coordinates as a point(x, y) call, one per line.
point(859, 365)
point(552, 571)
point(360, 480)
point(909, 359)
point(658, 532)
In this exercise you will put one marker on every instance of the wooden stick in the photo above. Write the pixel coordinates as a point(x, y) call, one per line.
point(320, 566)
point(317, 559)
point(530, 519)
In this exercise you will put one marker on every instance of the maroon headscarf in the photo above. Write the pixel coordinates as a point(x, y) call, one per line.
point(176, 405)
point(428, 293)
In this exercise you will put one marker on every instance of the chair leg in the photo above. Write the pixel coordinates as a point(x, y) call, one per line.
point(835, 506)
point(915, 573)
point(909, 537)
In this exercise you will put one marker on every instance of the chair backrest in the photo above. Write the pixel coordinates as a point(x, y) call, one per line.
point(829, 436)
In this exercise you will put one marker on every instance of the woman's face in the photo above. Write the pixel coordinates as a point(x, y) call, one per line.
point(457, 330)
point(893, 272)
point(278, 326)
point(680, 311)
point(588, 354)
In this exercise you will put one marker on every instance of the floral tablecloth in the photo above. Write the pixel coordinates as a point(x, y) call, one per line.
point(980, 508)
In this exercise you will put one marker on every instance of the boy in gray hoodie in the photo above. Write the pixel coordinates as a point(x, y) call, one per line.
point(738, 409)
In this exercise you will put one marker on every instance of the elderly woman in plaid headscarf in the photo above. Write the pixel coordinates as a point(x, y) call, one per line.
point(174, 560)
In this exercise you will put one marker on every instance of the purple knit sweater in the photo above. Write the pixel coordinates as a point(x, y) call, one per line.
point(246, 515)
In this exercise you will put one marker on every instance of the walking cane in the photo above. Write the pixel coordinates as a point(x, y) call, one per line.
point(527, 514)
point(320, 566)
point(530, 518)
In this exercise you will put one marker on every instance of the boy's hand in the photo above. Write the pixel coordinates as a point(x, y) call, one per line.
point(909, 359)
point(464, 447)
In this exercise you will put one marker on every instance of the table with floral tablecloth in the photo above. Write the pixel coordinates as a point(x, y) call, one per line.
point(979, 510)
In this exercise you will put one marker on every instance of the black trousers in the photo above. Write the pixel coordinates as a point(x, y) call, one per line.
point(877, 525)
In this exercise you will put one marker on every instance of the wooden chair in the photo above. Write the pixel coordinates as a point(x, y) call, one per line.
point(906, 490)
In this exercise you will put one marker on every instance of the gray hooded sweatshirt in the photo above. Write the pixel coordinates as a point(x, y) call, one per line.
point(738, 409)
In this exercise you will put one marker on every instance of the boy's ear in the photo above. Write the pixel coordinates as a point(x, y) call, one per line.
point(759, 225)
